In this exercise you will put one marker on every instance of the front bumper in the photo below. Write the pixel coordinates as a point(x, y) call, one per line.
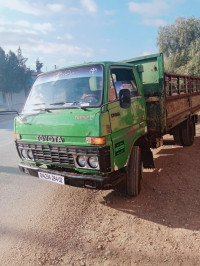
point(77, 179)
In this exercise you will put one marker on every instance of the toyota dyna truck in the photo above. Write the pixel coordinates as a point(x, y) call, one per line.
point(94, 125)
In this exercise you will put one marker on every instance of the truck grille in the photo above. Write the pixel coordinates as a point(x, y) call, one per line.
point(49, 153)
point(55, 154)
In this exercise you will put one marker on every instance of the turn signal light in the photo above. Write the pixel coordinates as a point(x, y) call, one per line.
point(16, 136)
point(96, 141)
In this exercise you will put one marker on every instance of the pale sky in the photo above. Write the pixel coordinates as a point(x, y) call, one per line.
point(68, 32)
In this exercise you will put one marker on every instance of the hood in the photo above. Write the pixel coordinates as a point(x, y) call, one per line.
point(64, 123)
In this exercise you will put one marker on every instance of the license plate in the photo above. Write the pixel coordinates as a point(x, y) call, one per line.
point(53, 178)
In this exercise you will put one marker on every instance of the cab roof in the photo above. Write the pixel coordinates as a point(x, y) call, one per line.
point(104, 63)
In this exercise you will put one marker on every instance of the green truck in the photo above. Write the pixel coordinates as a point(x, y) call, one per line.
point(94, 125)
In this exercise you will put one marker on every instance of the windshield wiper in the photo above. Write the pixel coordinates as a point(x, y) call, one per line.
point(38, 103)
point(70, 106)
point(62, 103)
point(42, 109)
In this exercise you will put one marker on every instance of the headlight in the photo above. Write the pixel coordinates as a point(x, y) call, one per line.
point(81, 161)
point(30, 154)
point(93, 162)
point(27, 154)
point(24, 154)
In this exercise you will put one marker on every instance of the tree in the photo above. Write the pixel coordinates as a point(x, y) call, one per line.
point(39, 65)
point(14, 75)
point(2, 72)
point(180, 44)
point(193, 63)
point(21, 60)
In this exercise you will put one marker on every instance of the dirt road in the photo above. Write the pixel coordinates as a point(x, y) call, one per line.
point(72, 226)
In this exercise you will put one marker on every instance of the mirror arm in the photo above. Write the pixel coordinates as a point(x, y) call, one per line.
point(117, 100)
point(9, 112)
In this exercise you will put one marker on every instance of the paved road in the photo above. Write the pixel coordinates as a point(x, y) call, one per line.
point(21, 196)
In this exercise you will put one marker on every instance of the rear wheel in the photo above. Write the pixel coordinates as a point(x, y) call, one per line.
point(134, 173)
point(178, 136)
point(188, 133)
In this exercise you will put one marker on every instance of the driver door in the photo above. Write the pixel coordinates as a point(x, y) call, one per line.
point(126, 124)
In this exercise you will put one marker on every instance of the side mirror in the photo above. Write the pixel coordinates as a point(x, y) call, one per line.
point(124, 98)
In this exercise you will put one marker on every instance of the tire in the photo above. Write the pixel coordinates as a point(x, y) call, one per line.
point(178, 136)
point(188, 133)
point(134, 173)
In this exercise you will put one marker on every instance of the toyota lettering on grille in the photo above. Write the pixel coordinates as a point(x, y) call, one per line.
point(50, 138)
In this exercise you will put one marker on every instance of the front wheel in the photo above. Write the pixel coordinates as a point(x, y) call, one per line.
point(134, 172)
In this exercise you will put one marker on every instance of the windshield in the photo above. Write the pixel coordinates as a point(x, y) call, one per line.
point(78, 87)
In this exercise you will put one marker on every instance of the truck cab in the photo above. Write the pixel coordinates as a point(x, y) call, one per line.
point(79, 125)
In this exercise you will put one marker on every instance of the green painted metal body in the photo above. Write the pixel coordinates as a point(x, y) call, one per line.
point(154, 91)
point(170, 98)
point(74, 125)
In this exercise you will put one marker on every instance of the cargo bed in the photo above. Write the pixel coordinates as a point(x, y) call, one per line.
point(170, 98)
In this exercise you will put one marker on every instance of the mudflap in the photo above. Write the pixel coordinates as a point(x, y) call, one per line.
point(147, 158)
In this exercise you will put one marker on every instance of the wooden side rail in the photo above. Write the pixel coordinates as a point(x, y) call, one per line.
point(180, 84)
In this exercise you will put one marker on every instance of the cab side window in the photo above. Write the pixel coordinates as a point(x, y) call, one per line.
point(112, 92)
point(124, 79)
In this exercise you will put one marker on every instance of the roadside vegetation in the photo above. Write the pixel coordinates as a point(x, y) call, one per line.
point(180, 44)
point(15, 75)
